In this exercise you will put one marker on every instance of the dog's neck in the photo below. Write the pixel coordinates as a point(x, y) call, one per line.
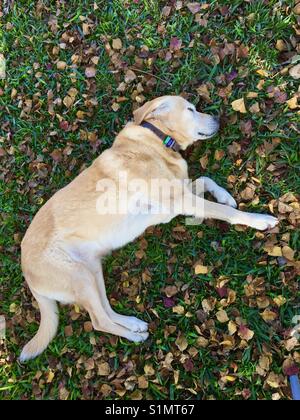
point(168, 141)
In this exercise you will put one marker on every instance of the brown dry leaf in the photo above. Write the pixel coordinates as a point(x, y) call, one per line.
point(280, 45)
point(204, 161)
point(117, 44)
point(86, 29)
point(202, 342)
point(232, 327)
point(171, 291)
point(68, 101)
point(149, 370)
point(268, 315)
point(288, 253)
point(248, 193)
point(203, 91)
point(296, 9)
point(88, 326)
point(239, 106)
point(89, 364)
point(245, 333)
point(201, 269)
point(234, 148)
point(129, 76)
point(219, 154)
point(254, 109)
point(291, 343)
point(61, 65)
point(295, 71)
point(194, 7)
point(208, 304)
point(90, 72)
point(106, 390)
point(222, 316)
point(181, 342)
point(263, 365)
point(143, 382)
point(68, 331)
point(63, 393)
point(284, 208)
point(103, 369)
point(273, 380)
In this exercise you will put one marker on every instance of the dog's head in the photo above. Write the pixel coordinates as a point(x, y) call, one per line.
point(178, 118)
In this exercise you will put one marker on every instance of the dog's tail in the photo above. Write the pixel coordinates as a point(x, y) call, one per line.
point(46, 331)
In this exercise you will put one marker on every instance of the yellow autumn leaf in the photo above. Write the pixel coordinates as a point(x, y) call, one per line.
point(252, 95)
point(292, 103)
point(275, 252)
point(222, 316)
point(201, 269)
point(262, 72)
point(239, 106)
point(268, 315)
point(288, 253)
point(279, 300)
point(178, 310)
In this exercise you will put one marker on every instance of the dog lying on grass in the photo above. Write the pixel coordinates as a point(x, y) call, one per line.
point(110, 204)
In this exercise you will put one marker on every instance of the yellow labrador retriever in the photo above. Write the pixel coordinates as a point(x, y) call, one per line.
point(63, 246)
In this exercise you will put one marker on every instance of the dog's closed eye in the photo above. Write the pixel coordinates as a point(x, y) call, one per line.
point(191, 109)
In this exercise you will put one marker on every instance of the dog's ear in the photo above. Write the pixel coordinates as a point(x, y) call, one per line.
point(152, 109)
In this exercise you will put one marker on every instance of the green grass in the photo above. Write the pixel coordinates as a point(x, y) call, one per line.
point(29, 176)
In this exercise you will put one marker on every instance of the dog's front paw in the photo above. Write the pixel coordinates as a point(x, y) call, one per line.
point(263, 222)
point(223, 197)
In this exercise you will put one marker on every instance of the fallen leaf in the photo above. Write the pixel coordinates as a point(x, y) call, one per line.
point(194, 7)
point(178, 310)
point(254, 109)
point(175, 44)
point(171, 291)
point(239, 105)
point(90, 72)
point(117, 44)
point(129, 76)
point(288, 253)
point(61, 65)
point(293, 102)
point(280, 45)
point(268, 315)
point(275, 251)
point(222, 316)
point(201, 269)
point(245, 333)
point(202, 342)
point(181, 342)
point(295, 71)
point(248, 193)
point(219, 154)
point(204, 161)
point(279, 300)
point(103, 369)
